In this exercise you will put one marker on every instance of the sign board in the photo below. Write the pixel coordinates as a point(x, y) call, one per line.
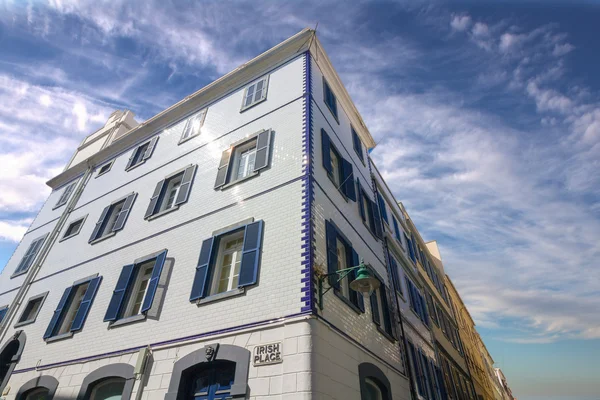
point(265, 354)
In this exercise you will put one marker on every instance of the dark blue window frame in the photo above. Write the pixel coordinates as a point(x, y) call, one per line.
point(357, 144)
point(330, 99)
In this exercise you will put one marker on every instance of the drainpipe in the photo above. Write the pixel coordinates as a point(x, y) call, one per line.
point(48, 243)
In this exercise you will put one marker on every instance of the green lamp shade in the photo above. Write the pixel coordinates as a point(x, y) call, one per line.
point(364, 282)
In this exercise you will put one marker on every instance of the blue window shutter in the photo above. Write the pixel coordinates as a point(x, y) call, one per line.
point(361, 206)
point(424, 308)
point(426, 381)
point(199, 287)
point(86, 304)
point(395, 276)
point(186, 185)
point(397, 230)
point(223, 169)
point(375, 309)
point(360, 301)
point(325, 148)
point(348, 180)
point(58, 313)
point(99, 224)
point(263, 144)
point(377, 220)
point(357, 145)
point(150, 148)
point(332, 260)
point(153, 206)
point(387, 318)
point(251, 254)
point(153, 282)
point(118, 296)
point(382, 208)
point(417, 368)
point(3, 313)
point(120, 222)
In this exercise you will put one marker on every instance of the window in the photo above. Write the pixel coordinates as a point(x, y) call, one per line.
point(3, 311)
point(432, 308)
point(373, 392)
point(171, 191)
point(374, 385)
point(244, 159)
point(380, 310)
point(33, 307)
point(357, 144)
point(73, 307)
point(65, 194)
point(105, 168)
point(382, 208)
point(395, 273)
point(424, 373)
point(341, 255)
point(37, 394)
point(73, 228)
point(417, 303)
point(29, 256)
point(192, 126)
point(141, 153)
point(228, 261)
point(113, 218)
point(108, 389)
point(330, 99)
point(397, 230)
point(338, 169)
point(255, 93)
point(136, 287)
point(410, 248)
point(368, 212)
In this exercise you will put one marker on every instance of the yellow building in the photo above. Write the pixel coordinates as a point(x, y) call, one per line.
point(471, 345)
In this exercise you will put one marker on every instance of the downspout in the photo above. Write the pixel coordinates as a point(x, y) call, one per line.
point(48, 243)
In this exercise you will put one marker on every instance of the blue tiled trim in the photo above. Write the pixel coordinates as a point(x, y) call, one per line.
point(307, 290)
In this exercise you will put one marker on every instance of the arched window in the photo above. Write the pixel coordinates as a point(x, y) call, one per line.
point(10, 354)
point(110, 382)
point(374, 385)
point(214, 372)
point(39, 388)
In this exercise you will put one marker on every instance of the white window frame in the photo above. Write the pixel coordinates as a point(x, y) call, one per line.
point(24, 271)
point(137, 284)
point(62, 200)
point(108, 164)
point(218, 270)
point(265, 88)
point(343, 264)
point(170, 182)
point(82, 219)
point(199, 116)
point(237, 155)
point(69, 315)
point(41, 298)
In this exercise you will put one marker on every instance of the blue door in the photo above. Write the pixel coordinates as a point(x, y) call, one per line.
point(213, 382)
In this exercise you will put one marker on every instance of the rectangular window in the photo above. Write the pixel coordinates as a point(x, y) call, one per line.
point(357, 143)
point(193, 126)
point(65, 195)
point(228, 261)
point(73, 308)
point(29, 257)
point(3, 311)
point(382, 208)
point(417, 303)
point(397, 230)
point(141, 153)
point(410, 248)
point(245, 159)
point(380, 311)
point(330, 99)
point(73, 228)
point(338, 169)
point(105, 168)
point(255, 93)
point(431, 308)
point(171, 192)
point(136, 287)
point(395, 271)
point(368, 212)
point(113, 218)
point(31, 310)
point(341, 255)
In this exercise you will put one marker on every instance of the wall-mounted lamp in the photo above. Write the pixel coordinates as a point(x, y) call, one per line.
point(364, 283)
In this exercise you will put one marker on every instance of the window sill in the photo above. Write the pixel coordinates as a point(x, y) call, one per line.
point(107, 236)
point(252, 105)
point(128, 320)
point(135, 166)
point(29, 321)
point(68, 237)
point(19, 273)
point(59, 337)
point(163, 212)
point(221, 296)
point(350, 304)
point(386, 334)
point(230, 184)
point(181, 141)
point(58, 206)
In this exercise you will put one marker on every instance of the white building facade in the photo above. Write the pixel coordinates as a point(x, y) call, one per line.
point(180, 257)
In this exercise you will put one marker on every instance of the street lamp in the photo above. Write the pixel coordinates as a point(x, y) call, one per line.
point(364, 283)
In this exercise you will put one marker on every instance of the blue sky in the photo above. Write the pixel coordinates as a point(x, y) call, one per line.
point(487, 114)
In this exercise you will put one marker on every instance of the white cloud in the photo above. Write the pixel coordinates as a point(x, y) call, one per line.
point(480, 29)
point(460, 22)
point(13, 231)
point(560, 49)
point(509, 41)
